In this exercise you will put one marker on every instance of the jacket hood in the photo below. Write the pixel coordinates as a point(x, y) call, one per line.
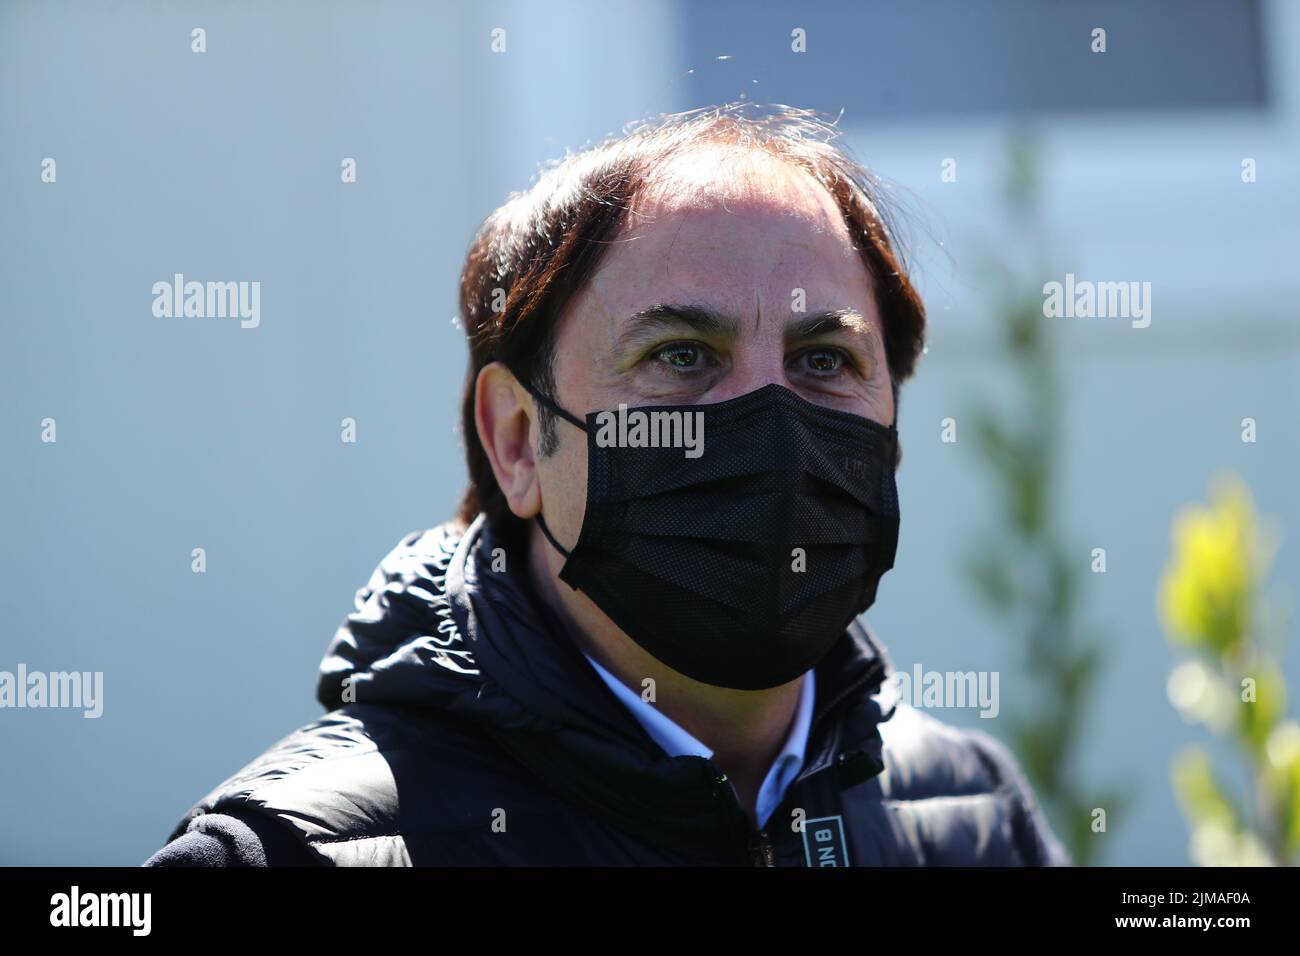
point(442, 626)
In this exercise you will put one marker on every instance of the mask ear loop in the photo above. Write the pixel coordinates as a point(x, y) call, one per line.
point(541, 523)
point(545, 400)
point(567, 416)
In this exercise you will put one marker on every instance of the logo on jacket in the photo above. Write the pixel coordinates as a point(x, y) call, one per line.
point(824, 843)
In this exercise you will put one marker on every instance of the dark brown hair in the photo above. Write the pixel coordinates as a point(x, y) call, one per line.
point(532, 255)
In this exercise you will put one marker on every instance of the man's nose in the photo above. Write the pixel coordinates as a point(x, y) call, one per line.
point(751, 369)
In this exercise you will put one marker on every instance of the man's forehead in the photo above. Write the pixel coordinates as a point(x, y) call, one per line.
point(735, 181)
point(765, 262)
point(740, 235)
point(729, 226)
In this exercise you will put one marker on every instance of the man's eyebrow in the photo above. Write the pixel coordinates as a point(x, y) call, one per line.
point(822, 322)
point(648, 323)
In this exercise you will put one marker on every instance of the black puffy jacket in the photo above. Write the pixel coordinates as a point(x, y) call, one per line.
point(465, 729)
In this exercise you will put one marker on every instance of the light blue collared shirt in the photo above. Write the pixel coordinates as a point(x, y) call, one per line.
point(676, 742)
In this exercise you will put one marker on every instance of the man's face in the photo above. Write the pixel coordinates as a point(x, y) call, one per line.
point(695, 302)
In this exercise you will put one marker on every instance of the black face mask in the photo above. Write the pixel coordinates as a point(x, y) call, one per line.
point(743, 565)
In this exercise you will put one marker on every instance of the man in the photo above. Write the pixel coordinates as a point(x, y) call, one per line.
point(639, 642)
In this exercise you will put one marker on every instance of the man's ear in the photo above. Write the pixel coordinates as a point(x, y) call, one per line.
point(503, 414)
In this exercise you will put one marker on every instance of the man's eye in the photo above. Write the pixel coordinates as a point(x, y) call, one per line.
point(824, 360)
point(681, 355)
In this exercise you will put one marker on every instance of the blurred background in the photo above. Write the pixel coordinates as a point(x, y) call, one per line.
point(1015, 154)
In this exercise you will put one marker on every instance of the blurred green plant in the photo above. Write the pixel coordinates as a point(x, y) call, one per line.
point(1210, 603)
point(1024, 569)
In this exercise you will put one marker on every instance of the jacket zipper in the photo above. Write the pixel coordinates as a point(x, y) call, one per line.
point(758, 844)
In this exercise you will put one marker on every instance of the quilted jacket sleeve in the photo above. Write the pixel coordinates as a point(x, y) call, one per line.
point(235, 840)
point(1037, 843)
